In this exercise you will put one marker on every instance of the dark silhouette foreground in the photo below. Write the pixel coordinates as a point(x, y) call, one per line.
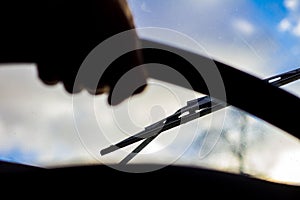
point(57, 36)
point(170, 180)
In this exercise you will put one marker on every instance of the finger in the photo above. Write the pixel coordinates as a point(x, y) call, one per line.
point(47, 74)
point(71, 87)
point(131, 83)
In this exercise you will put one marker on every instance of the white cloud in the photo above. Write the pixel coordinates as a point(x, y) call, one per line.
point(243, 26)
point(37, 120)
point(296, 29)
point(284, 25)
point(291, 22)
point(291, 4)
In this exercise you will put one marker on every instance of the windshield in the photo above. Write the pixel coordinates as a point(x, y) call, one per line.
point(40, 125)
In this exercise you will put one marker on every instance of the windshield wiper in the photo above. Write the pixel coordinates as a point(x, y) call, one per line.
point(194, 109)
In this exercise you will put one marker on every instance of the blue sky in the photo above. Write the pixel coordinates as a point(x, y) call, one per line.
point(277, 13)
point(18, 155)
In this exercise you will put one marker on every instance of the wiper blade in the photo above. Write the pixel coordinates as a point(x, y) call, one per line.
point(194, 109)
point(284, 78)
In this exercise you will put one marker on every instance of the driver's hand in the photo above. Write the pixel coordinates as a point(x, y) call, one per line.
point(69, 30)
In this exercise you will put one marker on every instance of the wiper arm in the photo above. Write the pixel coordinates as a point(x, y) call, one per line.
point(194, 109)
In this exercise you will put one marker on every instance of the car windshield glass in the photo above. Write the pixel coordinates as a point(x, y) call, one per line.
point(45, 126)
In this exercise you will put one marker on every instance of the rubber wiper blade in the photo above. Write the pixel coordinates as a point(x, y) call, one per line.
point(194, 109)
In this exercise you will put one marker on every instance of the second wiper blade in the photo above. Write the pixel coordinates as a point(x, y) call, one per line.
point(284, 78)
